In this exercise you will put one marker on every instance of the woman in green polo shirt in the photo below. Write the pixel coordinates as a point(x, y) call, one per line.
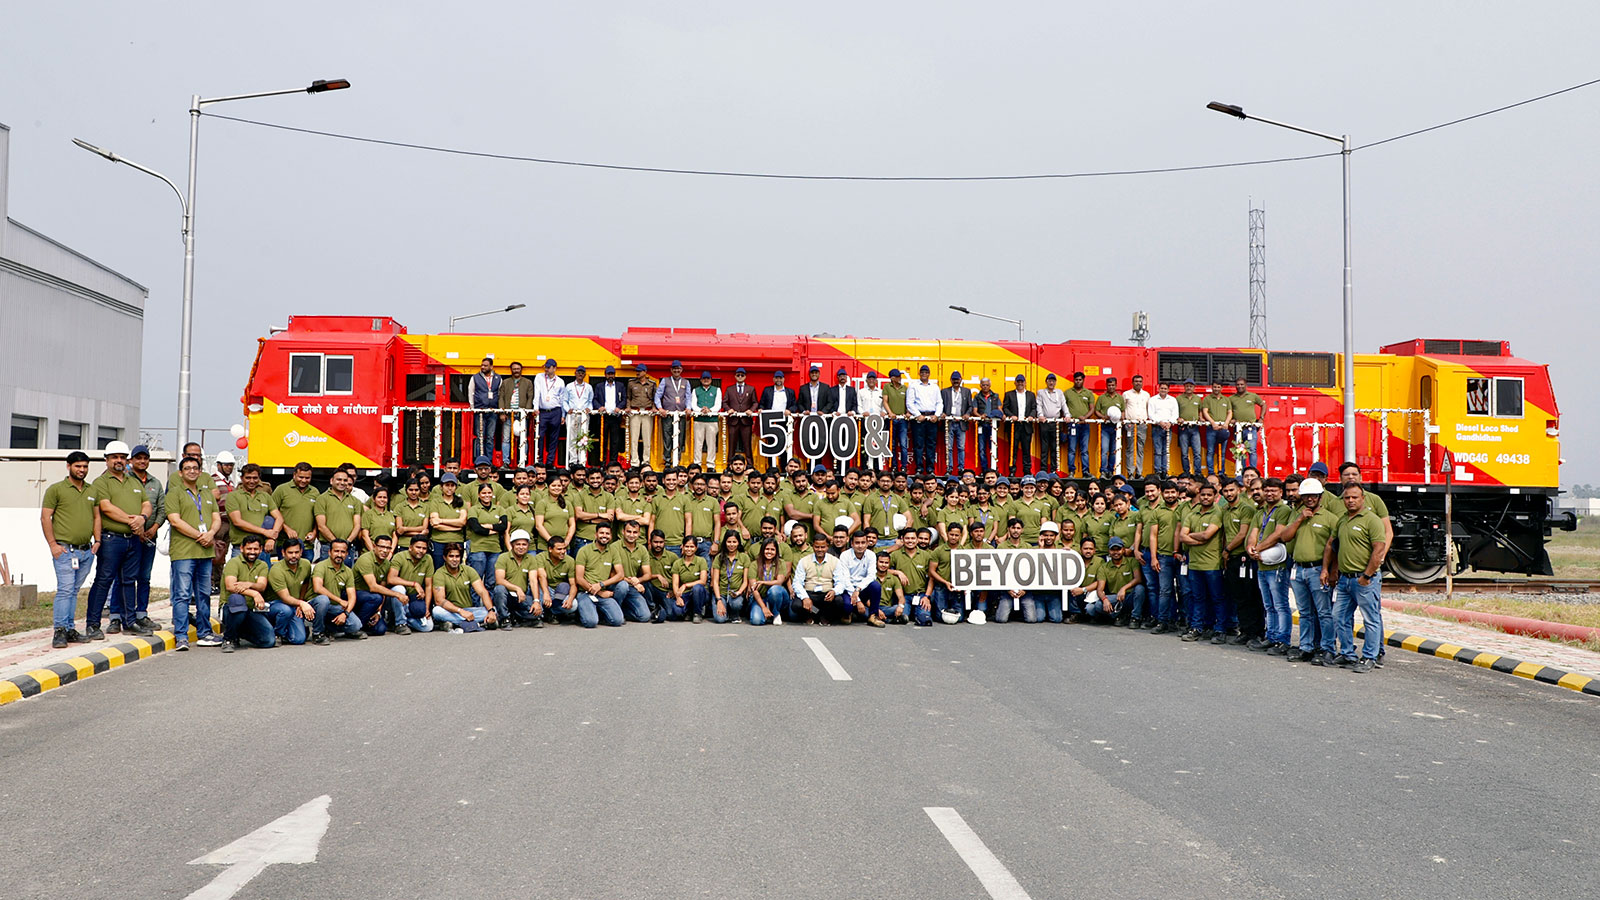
point(520, 516)
point(732, 587)
point(377, 520)
point(554, 517)
point(483, 533)
point(447, 516)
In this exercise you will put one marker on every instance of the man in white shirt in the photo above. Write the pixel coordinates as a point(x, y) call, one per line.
point(922, 401)
point(1163, 418)
point(547, 390)
point(610, 397)
point(870, 397)
point(578, 401)
point(1135, 426)
point(860, 566)
point(1052, 406)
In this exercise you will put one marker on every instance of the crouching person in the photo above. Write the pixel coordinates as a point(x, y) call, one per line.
point(411, 574)
point(289, 584)
point(515, 600)
point(557, 588)
point(377, 604)
point(333, 596)
point(459, 594)
point(244, 615)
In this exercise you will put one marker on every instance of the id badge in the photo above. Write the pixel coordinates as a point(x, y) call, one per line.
point(74, 564)
point(1183, 569)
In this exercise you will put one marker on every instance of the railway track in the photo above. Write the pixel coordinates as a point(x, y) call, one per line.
point(1492, 585)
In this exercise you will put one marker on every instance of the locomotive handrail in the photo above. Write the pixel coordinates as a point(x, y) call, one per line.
point(1383, 413)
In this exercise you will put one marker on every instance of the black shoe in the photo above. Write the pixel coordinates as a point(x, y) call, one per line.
point(136, 628)
point(114, 626)
point(1161, 628)
point(1277, 650)
point(73, 637)
point(1240, 640)
point(321, 639)
point(1379, 663)
point(1363, 666)
point(1219, 638)
point(359, 636)
point(1206, 634)
point(536, 623)
point(93, 633)
point(1191, 635)
point(402, 628)
point(1345, 662)
point(1121, 623)
point(230, 646)
point(1259, 644)
point(145, 622)
point(59, 640)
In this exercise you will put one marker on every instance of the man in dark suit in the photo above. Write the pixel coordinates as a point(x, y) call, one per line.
point(842, 396)
point(1020, 405)
point(781, 399)
point(813, 395)
point(737, 398)
point(955, 403)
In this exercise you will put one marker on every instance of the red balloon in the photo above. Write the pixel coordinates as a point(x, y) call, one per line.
point(242, 443)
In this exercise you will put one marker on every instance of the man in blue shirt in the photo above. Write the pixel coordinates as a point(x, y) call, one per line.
point(485, 396)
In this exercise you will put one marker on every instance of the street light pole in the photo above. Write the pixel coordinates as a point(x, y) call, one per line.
point(186, 336)
point(488, 312)
point(1016, 322)
point(1349, 394)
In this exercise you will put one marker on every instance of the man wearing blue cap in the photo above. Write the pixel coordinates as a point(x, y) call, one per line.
point(955, 402)
point(707, 401)
point(740, 400)
point(547, 390)
point(609, 400)
point(485, 399)
point(672, 400)
point(577, 401)
point(641, 415)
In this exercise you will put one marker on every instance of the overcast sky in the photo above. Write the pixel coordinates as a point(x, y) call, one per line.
point(1484, 230)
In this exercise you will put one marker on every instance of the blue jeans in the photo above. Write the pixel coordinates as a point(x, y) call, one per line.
point(327, 610)
point(417, 611)
point(1274, 585)
point(1005, 605)
point(145, 555)
point(1040, 606)
point(485, 429)
point(694, 602)
point(901, 456)
point(1216, 450)
point(985, 441)
point(1248, 435)
point(245, 625)
point(191, 580)
point(632, 603)
point(483, 563)
point(1108, 450)
point(117, 567)
point(1158, 590)
point(443, 616)
point(777, 598)
point(593, 610)
point(738, 608)
point(1354, 595)
point(508, 609)
point(927, 446)
point(1315, 603)
point(374, 611)
point(1190, 453)
point(1207, 609)
point(69, 581)
point(1078, 447)
point(290, 628)
point(1160, 450)
point(955, 447)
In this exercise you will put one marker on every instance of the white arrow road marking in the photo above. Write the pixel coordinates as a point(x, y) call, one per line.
point(992, 874)
point(827, 660)
point(288, 839)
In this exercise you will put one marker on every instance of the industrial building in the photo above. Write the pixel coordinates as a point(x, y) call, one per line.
point(48, 290)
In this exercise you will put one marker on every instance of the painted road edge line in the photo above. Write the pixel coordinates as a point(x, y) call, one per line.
point(827, 660)
point(991, 872)
point(1572, 681)
point(87, 665)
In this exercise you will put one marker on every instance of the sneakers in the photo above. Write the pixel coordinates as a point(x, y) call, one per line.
point(145, 622)
point(1219, 638)
point(402, 628)
point(1364, 666)
point(1260, 644)
point(1379, 663)
point(1190, 636)
point(876, 621)
point(210, 640)
point(1277, 649)
point(59, 640)
point(230, 646)
point(360, 636)
point(114, 626)
point(1240, 639)
point(695, 618)
point(141, 630)
point(539, 623)
point(777, 619)
point(94, 633)
point(1345, 662)
point(321, 640)
point(1162, 628)
point(181, 646)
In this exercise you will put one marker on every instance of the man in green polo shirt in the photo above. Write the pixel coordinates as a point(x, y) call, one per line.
point(296, 500)
point(1241, 601)
point(288, 593)
point(68, 519)
point(632, 555)
point(247, 509)
point(380, 607)
point(1111, 399)
point(411, 573)
point(338, 514)
point(1080, 404)
point(1191, 442)
point(702, 509)
point(246, 608)
point(1361, 549)
point(124, 509)
point(333, 596)
point(1272, 578)
point(557, 573)
point(1200, 538)
point(1217, 413)
point(1247, 408)
point(515, 602)
point(894, 401)
point(195, 522)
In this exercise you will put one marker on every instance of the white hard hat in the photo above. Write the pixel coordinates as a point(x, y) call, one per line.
point(1274, 555)
point(1049, 526)
point(842, 520)
point(517, 425)
point(949, 616)
point(976, 617)
point(789, 526)
point(1311, 487)
point(225, 458)
point(519, 535)
point(1114, 413)
point(116, 447)
point(899, 522)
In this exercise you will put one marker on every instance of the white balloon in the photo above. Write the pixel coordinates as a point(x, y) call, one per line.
point(237, 431)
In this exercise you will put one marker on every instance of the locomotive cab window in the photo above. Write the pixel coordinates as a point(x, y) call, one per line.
point(313, 374)
point(1508, 398)
point(339, 375)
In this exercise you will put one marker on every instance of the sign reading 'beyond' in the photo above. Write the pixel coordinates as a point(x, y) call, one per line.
point(1015, 570)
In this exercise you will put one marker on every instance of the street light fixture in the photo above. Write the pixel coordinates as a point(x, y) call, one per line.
point(196, 103)
point(489, 312)
point(1343, 140)
point(965, 311)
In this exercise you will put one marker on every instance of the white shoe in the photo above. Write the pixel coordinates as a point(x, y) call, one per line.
point(777, 619)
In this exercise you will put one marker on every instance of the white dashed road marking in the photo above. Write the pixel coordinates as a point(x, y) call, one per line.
point(827, 660)
point(992, 874)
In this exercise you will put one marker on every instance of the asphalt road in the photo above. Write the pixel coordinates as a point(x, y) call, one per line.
point(723, 761)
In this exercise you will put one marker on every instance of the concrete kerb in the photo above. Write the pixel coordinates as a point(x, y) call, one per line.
point(90, 664)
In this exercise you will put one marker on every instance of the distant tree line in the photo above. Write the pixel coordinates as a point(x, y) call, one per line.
point(1585, 492)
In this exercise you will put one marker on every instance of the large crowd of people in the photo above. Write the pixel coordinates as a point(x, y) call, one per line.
point(1225, 560)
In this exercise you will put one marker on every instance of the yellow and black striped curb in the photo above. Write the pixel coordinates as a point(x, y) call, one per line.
point(1584, 684)
point(88, 665)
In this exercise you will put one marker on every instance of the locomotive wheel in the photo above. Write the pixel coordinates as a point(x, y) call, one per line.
point(1415, 573)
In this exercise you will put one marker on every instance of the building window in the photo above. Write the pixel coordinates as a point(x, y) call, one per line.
point(69, 435)
point(25, 432)
point(105, 435)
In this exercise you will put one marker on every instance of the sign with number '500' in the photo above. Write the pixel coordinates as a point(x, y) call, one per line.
point(840, 437)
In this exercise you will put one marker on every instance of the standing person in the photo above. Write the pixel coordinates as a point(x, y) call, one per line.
point(609, 400)
point(1160, 521)
point(577, 402)
point(547, 392)
point(741, 402)
point(641, 416)
point(516, 393)
point(1052, 408)
point(249, 510)
point(1021, 405)
point(68, 519)
point(485, 398)
point(672, 400)
point(245, 600)
point(707, 402)
point(1136, 425)
point(1271, 521)
point(1163, 418)
point(955, 404)
point(1191, 440)
point(123, 512)
point(1080, 409)
point(1361, 551)
point(338, 514)
point(195, 524)
point(842, 396)
point(1307, 534)
point(894, 404)
point(814, 395)
point(922, 402)
point(1217, 413)
point(777, 398)
point(138, 606)
point(1103, 406)
point(294, 504)
point(1248, 409)
point(223, 481)
point(1200, 541)
point(986, 406)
